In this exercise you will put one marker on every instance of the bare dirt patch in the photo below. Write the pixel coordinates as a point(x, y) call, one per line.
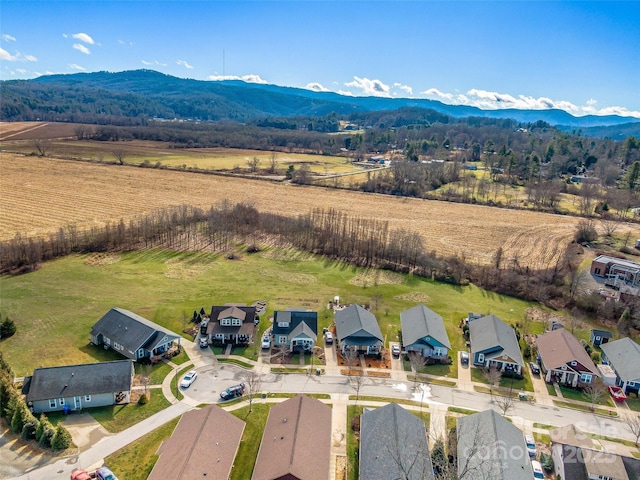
point(417, 297)
point(101, 259)
point(298, 278)
point(376, 277)
point(185, 268)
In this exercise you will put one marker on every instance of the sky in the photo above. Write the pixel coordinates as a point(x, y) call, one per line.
point(582, 57)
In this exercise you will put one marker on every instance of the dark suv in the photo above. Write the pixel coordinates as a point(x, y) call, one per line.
point(233, 392)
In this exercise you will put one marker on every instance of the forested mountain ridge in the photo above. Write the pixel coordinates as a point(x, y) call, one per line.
point(132, 97)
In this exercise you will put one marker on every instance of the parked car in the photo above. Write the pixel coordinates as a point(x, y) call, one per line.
point(531, 446)
point(328, 337)
point(266, 342)
point(103, 473)
point(233, 392)
point(537, 469)
point(80, 474)
point(189, 378)
point(464, 358)
point(203, 326)
point(535, 369)
point(395, 350)
point(204, 343)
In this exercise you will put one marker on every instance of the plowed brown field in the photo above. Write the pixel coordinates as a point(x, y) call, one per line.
point(40, 195)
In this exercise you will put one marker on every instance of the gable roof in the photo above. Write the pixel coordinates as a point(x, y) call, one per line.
point(624, 357)
point(77, 380)
point(571, 435)
point(356, 322)
point(295, 318)
point(302, 329)
point(419, 322)
point(204, 442)
point(559, 347)
point(601, 333)
point(492, 447)
point(296, 442)
point(130, 330)
point(232, 311)
point(246, 314)
point(393, 444)
point(490, 332)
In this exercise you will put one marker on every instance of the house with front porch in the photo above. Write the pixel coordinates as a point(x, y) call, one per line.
point(623, 356)
point(75, 387)
point(357, 330)
point(133, 336)
point(564, 360)
point(231, 323)
point(424, 333)
point(494, 344)
point(295, 328)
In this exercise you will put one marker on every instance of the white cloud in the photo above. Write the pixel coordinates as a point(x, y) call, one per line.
point(21, 71)
point(184, 64)
point(83, 37)
point(155, 62)
point(8, 38)
point(82, 48)
point(122, 42)
point(316, 87)
point(374, 88)
point(251, 78)
point(405, 88)
point(487, 100)
point(75, 66)
point(6, 56)
point(30, 58)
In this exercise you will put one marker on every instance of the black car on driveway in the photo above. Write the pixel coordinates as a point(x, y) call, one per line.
point(535, 369)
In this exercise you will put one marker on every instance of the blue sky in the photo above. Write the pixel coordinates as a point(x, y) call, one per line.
point(583, 57)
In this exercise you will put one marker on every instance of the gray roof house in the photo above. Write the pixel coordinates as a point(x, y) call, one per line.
point(624, 357)
point(358, 329)
point(297, 328)
point(491, 447)
point(423, 331)
point(393, 444)
point(494, 343)
point(74, 387)
point(563, 359)
point(133, 336)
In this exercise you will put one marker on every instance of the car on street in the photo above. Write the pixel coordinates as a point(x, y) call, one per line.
point(395, 350)
point(537, 469)
point(233, 392)
point(464, 358)
point(204, 342)
point(266, 342)
point(188, 379)
point(535, 369)
point(531, 446)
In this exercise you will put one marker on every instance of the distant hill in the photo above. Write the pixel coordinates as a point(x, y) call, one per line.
point(133, 96)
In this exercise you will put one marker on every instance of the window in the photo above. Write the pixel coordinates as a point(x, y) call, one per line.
point(283, 324)
point(52, 403)
point(236, 322)
point(585, 378)
point(481, 358)
point(87, 398)
point(61, 401)
point(597, 338)
point(140, 353)
point(282, 339)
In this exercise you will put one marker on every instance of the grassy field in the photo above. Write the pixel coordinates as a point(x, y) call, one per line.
point(116, 418)
point(135, 461)
point(55, 307)
point(86, 194)
point(250, 443)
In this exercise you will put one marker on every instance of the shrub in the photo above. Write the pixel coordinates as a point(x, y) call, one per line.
point(7, 328)
point(526, 353)
point(19, 418)
point(143, 400)
point(61, 438)
point(48, 431)
point(30, 427)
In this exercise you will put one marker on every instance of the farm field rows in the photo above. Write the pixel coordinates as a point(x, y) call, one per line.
point(41, 195)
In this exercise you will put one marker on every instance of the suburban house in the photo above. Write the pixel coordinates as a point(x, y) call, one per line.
point(74, 387)
point(489, 446)
point(618, 271)
point(296, 328)
point(296, 443)
point(624, 357)
point(576, 457)
point(564, 360)
point(357, 329)
point(133, 336)
point(598, 337)
point(204, 444)
point(393, 444)
point(494, 344)
point(423, 332)
point(231, 323)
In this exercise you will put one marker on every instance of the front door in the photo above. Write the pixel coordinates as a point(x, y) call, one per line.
point(77, 403)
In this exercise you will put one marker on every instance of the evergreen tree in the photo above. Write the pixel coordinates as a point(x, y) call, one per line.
point(61, 439)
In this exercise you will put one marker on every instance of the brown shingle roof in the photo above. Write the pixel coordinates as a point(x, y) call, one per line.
point(559, 347)
point(203, 446)
point(296, 443)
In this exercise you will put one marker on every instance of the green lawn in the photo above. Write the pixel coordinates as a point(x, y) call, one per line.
point(250, 444)
point(634, 403)
point(572, 394)
point(166, 287)
point(116, 418)
point(513, 384)
point(136, 460)
point(353, 446)
point(175, 389)
point(158, 372)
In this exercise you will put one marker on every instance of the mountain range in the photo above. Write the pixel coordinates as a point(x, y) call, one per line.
point(151, 94)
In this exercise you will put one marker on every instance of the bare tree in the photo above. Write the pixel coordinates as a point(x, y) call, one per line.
point(119, 155)
point(253, 164)
point(273, 163)
point(632, 421)
point(356, 380)
point(493, 376)
point(42, 145)
point(253, 381)
point(282, 351)
point(504, 403)
point(351, 355)
point(595, 391)
point(145, 373)
point(82, 132)
point(609, 225)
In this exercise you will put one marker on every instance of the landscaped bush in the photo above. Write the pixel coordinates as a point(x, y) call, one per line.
point(512, 374)
point(61, 439)
point(143, 400)
point(30, 427)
